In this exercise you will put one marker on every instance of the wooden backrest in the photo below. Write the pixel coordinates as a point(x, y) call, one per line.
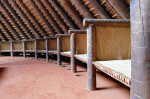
point(112, 39)
point(29, 45)
point(52, 44)
point(65, 43)
point(81, 43)
point(41, 45)
point(17, 46)
point(4, 46)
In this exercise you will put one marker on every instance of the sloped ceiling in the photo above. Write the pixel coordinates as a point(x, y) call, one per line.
point(29, 19)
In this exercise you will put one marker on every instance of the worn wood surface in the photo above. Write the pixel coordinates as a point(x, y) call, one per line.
point(91, 55)
point(73, 50)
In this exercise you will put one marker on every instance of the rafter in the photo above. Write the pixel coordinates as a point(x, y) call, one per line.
point(9, 27)
point(14, 14)
point(48, 16)
point(72, 12)
point(82, 8)
point(3, 35)
point(43, 18)
point(55, 15)
point(103, 14)
point(62, 14)
point(2, 26)
point(31, 17)
point(24, 18)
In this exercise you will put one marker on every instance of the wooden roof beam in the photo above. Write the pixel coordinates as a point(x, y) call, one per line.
point(14, 22)
point(84, 10)
point(99, 9)
point(6, 30)
point(72, 12)
point(62, 14)
point(3, 35)
point(121, 8)
point(14, 14)
point(9, 27)
point(31, 17)
point(43, 18)
point(48, 16)
point(55, 15)
point(24, 18)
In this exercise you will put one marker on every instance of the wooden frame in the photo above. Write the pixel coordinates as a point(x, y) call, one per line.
point(4, 47)
point(106, 38)
point(63, 46)
point(78, 47)
point(28, 47)
point(51, 46)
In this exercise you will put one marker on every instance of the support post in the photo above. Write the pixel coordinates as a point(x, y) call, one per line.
point(47, 57)
point(24, 52)
point(58, 51)
point(91, 70)
point(140, 49)
point(11, 49)
point(73, 50)
point(36, 53)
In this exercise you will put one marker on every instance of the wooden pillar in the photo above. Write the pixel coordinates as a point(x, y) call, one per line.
point(36, 53)
point(24, 52)
point(140, 49)
point(47, 57)
point(58, 51)
point(91, 70)
point(73, 50)
point(11, 49)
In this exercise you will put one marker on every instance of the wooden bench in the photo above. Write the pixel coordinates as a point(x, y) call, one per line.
point(4, 47)
point(28, 47)
point(63, 46)
point(78, 47)
point(109, 49)
point(51, 46)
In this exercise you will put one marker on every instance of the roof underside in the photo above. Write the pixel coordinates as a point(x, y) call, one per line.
point(29, 19)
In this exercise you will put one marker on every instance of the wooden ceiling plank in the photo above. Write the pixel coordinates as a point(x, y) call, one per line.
point(55, 15)
point(2, 34)
point(41, 16)
point(17, 18)
point(48, 16)
point(5, 29)
point(121, 8)
point(24, 18)
point(14, 22)
point(72, 12)
point(99, 9)
point(62, 14)
point(9, 27)
point(31, 17)
point(84, 9)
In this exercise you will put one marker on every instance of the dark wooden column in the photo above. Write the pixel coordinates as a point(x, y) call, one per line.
point(11, 49)
point(91, 70)
point(24, 52)
point(73, 50)
point(47, 58)
point(35, 45)
point(58, 51)
point(140, 43)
